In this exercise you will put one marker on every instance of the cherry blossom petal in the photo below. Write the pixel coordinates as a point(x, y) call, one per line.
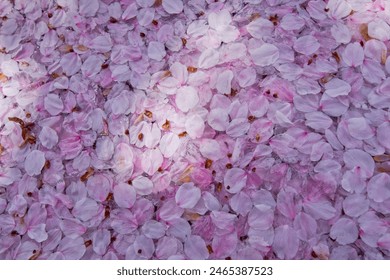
point(265, 55)
point(34, 163)
point(187, 195)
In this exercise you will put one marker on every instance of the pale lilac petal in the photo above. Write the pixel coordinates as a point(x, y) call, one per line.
point(153, 229)
point(195, 248)
point(353, 55)
point(142, 185)
point(360, 129)
point(260, 27)
point(172, 6)
point(306, 45)
point(265, 55)
point(344, 231)
point(379, 29)
point(286, 242)
point(187, 195)
point(156, 50)
point(224, 82)
point(292, 22)
point(338, 9)
point(384, 241)
point(88, 8)
point(337, 87)
point(72, 249)
point(211, 149)
point(355, 205)
point(378, 188)
point(235, 180)
point(186, 98)
point(305, 226)
point(261, 217)
point(34, 163)
point(169, 144)
point(124, 195)
point(53, 104)
point(151, 161)
point(218, 119)
point(195, 126)
point(247, 77)
point(208, 59)
point(100, 241)
point(361, 160)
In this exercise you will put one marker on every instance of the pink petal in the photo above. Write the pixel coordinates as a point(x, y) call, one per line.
point(85, 209)
point(260, 27)
point(383, 135)
point(320, 210)
point(151, 161)
point(104, 148)
point(187, 195)
point(318, 120)
point(211, 149)
point(123, 159)
point(195, 126)
point(224, 245)
point(99, 186)
point(305, 226)
point(241, 203)
point(337, 87)
point(123, 221)
point(384, 241)
point(101, 238)
point(223, 220)
point(209, 58)
point(195, 248)
point(142, 185)
point(306, 45)
point(156, 50)
point(172, 6)
point(166, 247)
point(34, 162)
point(361, 160)
point(53, 104)
point(88, 8)
point(353, 181)
point(169, 144)
point(359, 128)
point(261, 217)
point(218, 119)
point(265, 55)
point(258, 106)
point(70, 63)
point(247, 77)
point(224, 82)
point(379, 29)
point(124, 195)
point(72, 249)
point(72, 228)
point(186, 98)
point(292, 22)
point(238, 127)
point(378, 188)
point(221, 18)
point(338, 9)
point(344, 231)
point(355, 205)
point(341, 33)
point(286, 242)
point(153, 229)
point(235, 180)
point(353, 55)
point(102, 43)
